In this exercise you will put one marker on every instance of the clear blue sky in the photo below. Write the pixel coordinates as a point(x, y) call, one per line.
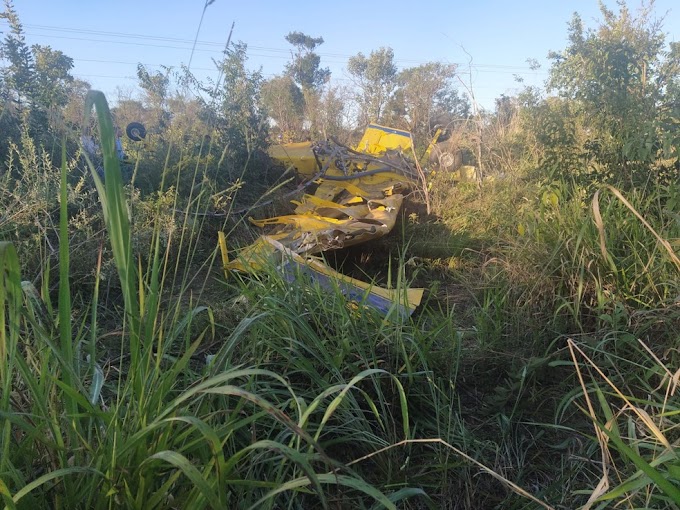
point(107, 39)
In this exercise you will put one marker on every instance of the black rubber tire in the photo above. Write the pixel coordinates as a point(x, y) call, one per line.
point(135, 131)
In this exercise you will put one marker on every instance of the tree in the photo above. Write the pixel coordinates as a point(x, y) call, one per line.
point(425, 97)
point(234, 110)
point(75, 103)
point(186, 123)
point(285, 104)
point(333, 111)
point(52, 76)
point(508, 144)
point(376, 78)
point(156, 88)
point(19, 72)
point(616, 77)
point(305, 67)
point(36, 80)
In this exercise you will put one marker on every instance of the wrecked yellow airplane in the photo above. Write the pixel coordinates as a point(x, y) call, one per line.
point(358, 196)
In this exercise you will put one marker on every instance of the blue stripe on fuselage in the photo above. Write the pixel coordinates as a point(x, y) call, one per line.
point(390, 130)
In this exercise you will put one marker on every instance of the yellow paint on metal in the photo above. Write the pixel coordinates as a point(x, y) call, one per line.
point(430, 147)
point(222, 241)
point(410, 298)
point(298, 155)
point(357, 199)
point(379, 139)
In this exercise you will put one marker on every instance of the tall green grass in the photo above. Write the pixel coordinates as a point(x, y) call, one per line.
point(634, 424)
point(280, 395)
point(583, 283)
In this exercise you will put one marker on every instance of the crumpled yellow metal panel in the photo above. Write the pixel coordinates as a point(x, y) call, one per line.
point(357, 199)
point(405, 301)
point(324, 228)
point(379, 139)
point(321, 225)
point(299, 155)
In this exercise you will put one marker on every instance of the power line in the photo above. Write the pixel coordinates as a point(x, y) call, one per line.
point(119, 34)
point(283, 51)
point(117, 77)
point(284, 57)
point(210, 69)
point(121, 62)
point(485, 68)
point(129, 43)
point(270, 75)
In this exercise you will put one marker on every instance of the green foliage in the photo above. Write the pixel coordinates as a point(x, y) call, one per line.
point(538, 271)
point(52, 76)
point(339, 405)
point(305, 67)
point(509, 145)
point(19, 73)
point(35, 82)
point(162, 429)
point(376, 79)
point(632, 419)
point(119, 386)
point(333, 108)
point(308, 80)
point(155, 87)
point(425, 97)
point(285, 104)
point(615, 78)
point(562, 144)
point(234, 112)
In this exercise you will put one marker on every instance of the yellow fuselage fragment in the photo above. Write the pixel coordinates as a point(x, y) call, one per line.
point(358, 196)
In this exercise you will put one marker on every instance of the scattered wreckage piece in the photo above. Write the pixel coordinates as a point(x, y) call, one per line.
point(358, 196)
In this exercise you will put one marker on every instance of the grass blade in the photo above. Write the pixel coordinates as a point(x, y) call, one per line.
point(666, 486)
point(182, 463)
point(53, 475)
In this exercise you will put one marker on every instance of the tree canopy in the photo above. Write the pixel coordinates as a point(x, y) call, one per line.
point(376, 79)
point(305, 67)
point(620, 84)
